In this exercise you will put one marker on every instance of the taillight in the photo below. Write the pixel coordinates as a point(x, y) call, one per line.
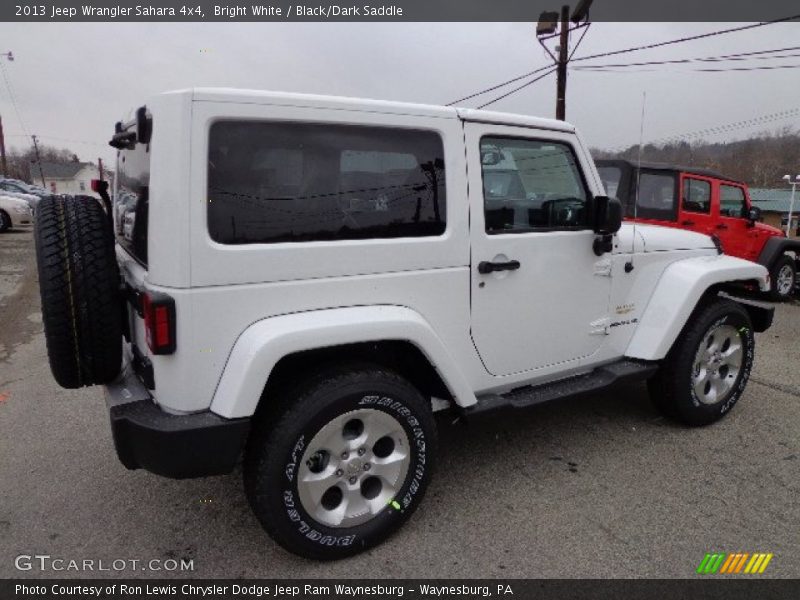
point(159, 322)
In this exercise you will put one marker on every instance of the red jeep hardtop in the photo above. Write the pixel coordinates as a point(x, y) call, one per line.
point(707, 202)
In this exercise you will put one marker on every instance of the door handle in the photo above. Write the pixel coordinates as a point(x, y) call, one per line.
point(485, 267)
point(722, 226)
point(687, 223)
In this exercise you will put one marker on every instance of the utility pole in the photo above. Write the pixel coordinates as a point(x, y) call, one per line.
point(549, 21)
point(563, 59)
point(38, 160)
point(100, 167)
point(3, 163)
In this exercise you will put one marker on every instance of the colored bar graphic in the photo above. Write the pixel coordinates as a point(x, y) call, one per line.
point(725, 563)
point(740, 564)
point(766, 562)
point(728, 563)
point(703, 563)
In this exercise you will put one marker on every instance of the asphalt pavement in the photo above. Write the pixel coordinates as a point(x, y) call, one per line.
point(600, 486)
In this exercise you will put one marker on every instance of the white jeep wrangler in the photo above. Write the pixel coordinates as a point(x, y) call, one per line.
point(304, 280)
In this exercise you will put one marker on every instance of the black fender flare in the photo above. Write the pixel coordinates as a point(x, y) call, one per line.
point(775, 247)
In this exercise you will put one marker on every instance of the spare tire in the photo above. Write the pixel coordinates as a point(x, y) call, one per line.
point(79, 287)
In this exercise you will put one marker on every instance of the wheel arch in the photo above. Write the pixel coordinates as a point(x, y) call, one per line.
point(777, 247)
point(686, 285)
point(274, 349)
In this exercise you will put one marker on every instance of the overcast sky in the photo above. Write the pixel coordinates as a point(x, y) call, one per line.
point(74, 80)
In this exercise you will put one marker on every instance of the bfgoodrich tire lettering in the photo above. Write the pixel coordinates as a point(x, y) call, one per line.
point(282, 437)
point(79, 287)
point(674, 388)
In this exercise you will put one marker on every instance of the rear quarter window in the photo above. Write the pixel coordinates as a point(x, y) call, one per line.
point(300, 182)
point(131, 200)
point(657, 198)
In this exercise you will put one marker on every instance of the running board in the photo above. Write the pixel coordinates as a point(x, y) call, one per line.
point(598, 379)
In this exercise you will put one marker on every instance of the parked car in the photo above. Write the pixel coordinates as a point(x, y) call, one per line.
point(704, 201)
point(18, 189)
point(14, 212)
point(306, 279)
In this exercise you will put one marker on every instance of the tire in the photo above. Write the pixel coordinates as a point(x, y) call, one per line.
point(79, 287)
point(680, 390)
point(5, 221)
point(782, 275)
point(320, 420)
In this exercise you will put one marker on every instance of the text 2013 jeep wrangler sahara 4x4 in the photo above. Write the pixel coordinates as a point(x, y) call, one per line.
point(304, 280)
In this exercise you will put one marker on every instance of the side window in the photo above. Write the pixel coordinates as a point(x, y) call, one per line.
point(531, 185)
point(656, 198)
point(696, 196)
point(274, 182)
point(732, 201)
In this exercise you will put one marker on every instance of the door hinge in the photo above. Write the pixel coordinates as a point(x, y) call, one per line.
point(602, 268)
point(600, 326)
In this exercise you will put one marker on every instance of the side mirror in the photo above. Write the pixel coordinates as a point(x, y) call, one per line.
point(607, 215)
point(754, 214)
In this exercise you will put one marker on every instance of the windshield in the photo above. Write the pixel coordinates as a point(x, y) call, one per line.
point(131, 199)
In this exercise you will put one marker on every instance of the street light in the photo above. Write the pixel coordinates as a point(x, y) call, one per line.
point(793, 183)
point(9, 55)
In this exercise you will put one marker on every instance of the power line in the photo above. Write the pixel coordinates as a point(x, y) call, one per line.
point(623, 51)
point(515, 90)
point(743, 56)
point(686, 39)
point(60, 139)
point(790, 113)
point(720, 70)
point(13, 97)
point(499, 85)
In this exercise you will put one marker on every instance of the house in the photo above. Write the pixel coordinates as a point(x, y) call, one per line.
point(774, 205)
point(67, 178)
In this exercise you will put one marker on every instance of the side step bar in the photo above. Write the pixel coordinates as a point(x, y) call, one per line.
point(598, 379)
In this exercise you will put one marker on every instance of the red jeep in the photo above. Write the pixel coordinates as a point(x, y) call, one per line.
point(706, 202)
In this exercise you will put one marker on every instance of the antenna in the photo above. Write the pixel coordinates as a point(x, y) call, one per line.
point(629, 264)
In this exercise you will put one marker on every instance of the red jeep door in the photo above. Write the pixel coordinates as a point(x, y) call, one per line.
point(733, 229)
point(695, 206)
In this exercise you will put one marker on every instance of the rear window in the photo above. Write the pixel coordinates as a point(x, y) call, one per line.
point(131, 199)
point(301, 182)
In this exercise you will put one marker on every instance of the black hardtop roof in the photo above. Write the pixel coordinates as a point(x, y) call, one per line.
point(619, 162)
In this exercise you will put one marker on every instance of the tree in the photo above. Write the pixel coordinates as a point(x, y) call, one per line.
point(760, 160)
point(20, 161)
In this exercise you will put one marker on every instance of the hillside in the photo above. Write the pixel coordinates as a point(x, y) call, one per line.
point(760, 161)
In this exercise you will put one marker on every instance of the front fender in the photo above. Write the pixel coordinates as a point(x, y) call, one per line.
point(263, 344)
point(775, 247)
point(677, 293)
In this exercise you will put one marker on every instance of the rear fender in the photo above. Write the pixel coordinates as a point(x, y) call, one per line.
point(259, 348)
point(677, 293)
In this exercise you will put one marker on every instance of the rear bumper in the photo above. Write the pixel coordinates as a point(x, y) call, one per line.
point(176, 446)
